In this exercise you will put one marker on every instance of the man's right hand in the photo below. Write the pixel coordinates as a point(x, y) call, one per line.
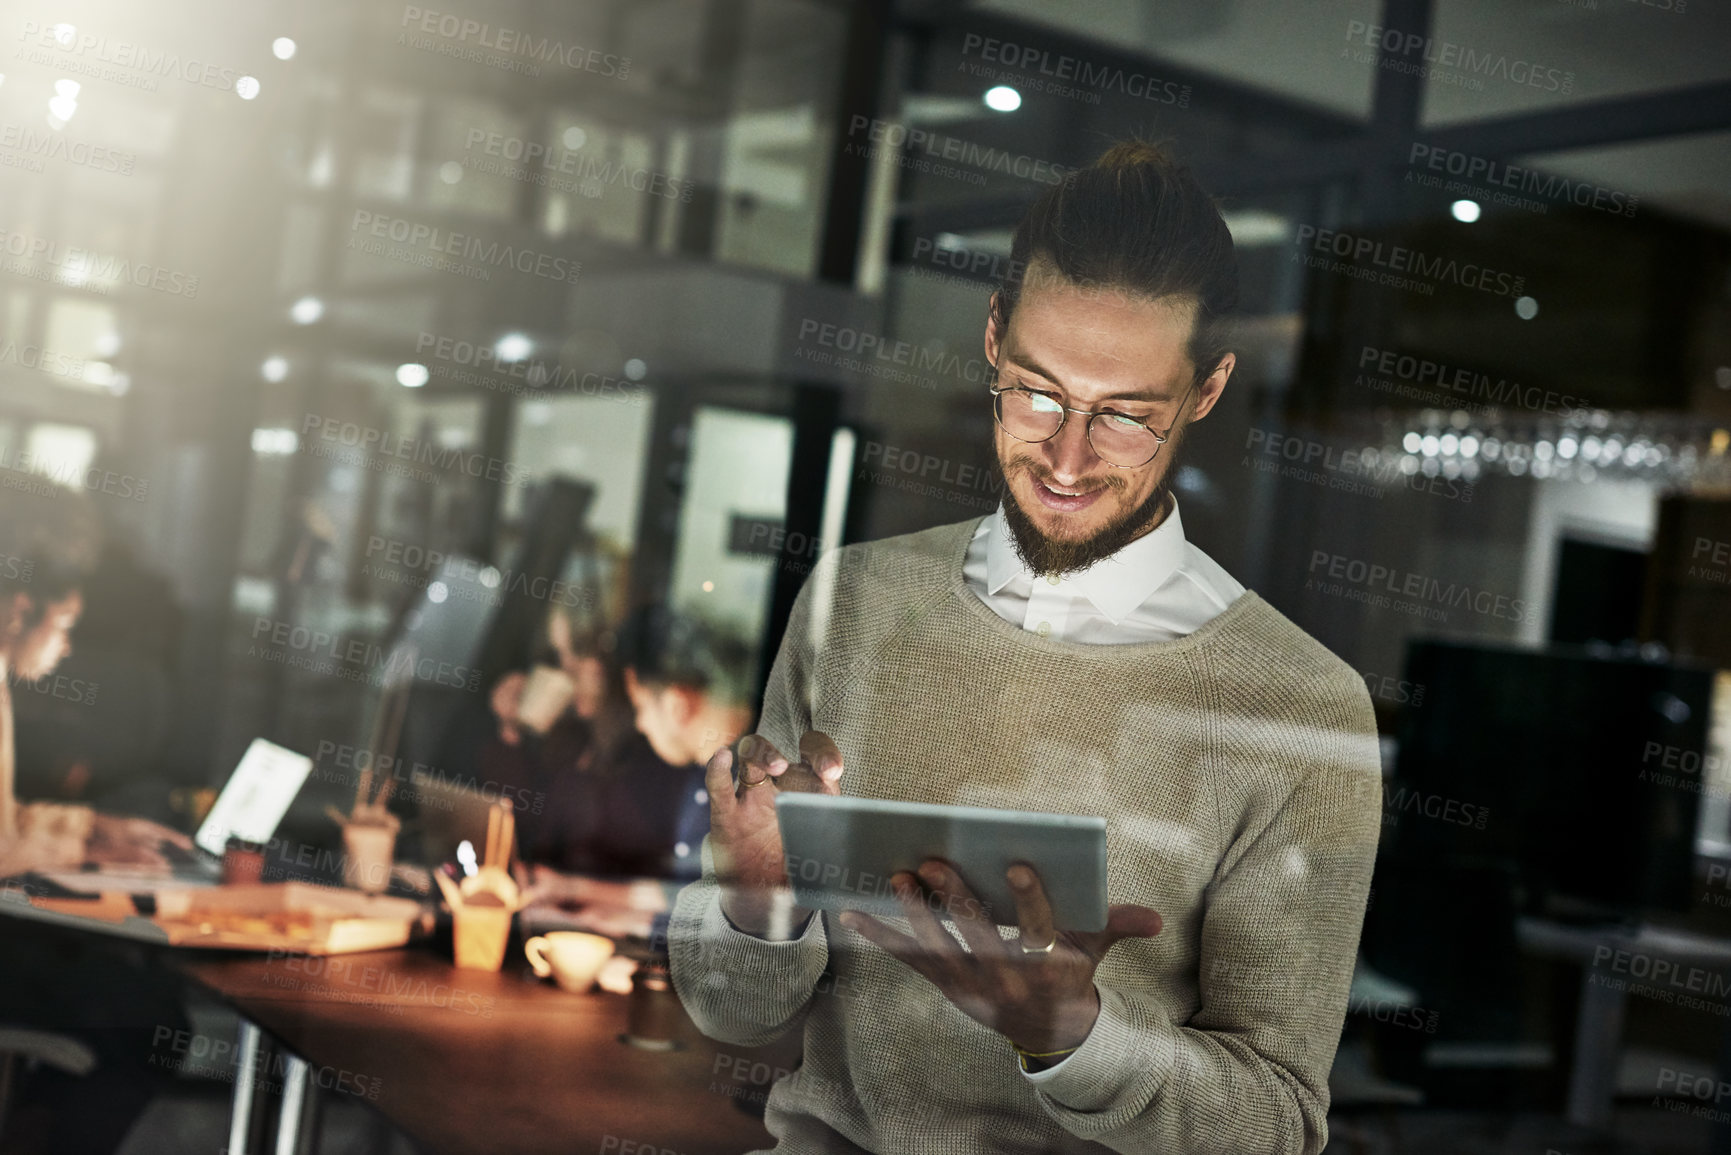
point(743, 835)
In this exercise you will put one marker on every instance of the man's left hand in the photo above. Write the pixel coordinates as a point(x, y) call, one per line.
point(1043, 1001)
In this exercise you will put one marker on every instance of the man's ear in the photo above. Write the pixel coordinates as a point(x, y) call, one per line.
point(1210, 390)
point(994, 338)
point(634, 689)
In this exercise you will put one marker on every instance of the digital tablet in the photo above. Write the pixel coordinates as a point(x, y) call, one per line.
point(842, 851)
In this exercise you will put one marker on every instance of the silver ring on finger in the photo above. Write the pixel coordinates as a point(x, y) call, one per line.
point(1047, 949)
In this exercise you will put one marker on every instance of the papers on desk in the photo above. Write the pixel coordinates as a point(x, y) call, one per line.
point(123, 880)
point(110, 907)
point(291, 916)
point(104, 913)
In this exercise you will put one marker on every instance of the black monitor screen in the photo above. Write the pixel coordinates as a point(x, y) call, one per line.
point(1564, 766)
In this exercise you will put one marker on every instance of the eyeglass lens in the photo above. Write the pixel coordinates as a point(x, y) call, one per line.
point(1118, 440)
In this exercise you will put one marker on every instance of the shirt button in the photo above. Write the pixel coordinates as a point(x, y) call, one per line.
point(1053, 579)
point(702, 796)
point(1043, 628)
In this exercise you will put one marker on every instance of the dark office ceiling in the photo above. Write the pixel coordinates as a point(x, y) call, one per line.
point(1613, 48)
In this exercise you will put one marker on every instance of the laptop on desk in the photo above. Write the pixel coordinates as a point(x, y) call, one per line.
point(255, 798)
point(251, 805)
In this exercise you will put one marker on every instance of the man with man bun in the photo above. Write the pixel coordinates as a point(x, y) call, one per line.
point(1070, 653)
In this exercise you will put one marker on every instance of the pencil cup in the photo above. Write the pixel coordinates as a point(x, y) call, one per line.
point(367, 862)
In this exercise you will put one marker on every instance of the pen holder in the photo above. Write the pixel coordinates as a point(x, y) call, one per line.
point(478, 935)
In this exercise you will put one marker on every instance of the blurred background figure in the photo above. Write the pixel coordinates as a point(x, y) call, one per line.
point(624, 808)
point(564, 733)
point(689, 682)
point(98, 731)
point(51, 543)
point(77, 987)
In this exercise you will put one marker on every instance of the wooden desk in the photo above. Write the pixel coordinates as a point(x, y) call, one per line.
point(470, 1061)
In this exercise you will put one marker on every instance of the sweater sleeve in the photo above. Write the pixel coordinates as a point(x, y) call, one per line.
point(1248, 1073)
point(739, 988)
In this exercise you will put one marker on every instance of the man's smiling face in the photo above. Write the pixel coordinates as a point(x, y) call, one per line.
point(1095, 350)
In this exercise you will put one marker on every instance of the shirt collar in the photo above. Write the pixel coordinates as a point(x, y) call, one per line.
point(1115, 585)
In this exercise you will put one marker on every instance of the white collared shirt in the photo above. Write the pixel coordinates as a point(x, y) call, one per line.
point(1156, 589)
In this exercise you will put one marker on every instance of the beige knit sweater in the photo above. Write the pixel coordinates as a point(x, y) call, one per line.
point(1237, 770)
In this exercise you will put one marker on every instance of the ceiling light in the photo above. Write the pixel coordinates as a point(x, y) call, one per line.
point(274, 442)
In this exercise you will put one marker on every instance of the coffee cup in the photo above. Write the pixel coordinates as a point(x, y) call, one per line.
point(370, 847)
point(546, 694)
point(573, 959)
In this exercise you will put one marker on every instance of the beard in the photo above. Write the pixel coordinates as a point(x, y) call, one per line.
point(1049, 556)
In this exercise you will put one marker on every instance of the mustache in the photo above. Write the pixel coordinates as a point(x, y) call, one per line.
point(1022, 463)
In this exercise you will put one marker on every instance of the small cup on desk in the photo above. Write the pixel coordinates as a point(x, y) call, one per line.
point(370, 848)
point(572, 958)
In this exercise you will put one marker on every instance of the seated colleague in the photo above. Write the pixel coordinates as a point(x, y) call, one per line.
point(109, 748)
point(50, 543)
point(1071, 653)
point(688, 683)
point(592, 738)
point(52, 979)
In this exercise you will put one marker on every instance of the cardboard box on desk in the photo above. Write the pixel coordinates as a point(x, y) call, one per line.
point(286, 916)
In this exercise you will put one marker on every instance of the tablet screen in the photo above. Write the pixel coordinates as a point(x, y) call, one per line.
point(841, 853)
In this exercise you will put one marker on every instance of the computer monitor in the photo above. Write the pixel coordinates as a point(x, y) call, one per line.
point(1562, 765)
point(255, 798)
